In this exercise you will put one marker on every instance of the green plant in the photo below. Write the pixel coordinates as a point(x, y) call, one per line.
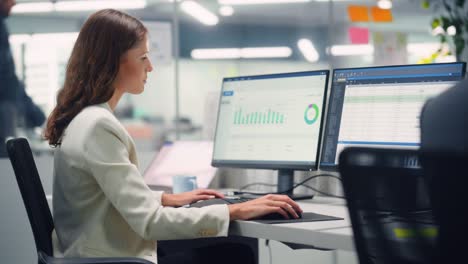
point(451, 13)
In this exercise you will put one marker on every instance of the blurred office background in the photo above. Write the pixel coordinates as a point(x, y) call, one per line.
point(194, 44)
point(197, 44)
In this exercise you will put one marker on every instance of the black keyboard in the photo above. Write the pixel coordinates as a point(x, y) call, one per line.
point(237, 200)
point(220, 201)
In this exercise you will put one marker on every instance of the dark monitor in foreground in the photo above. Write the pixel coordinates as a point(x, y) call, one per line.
point(271, 122)
point(380, 106)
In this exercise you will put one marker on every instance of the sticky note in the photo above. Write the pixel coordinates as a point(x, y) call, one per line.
point(381, 15)
point(358, 13)
point(358, 35)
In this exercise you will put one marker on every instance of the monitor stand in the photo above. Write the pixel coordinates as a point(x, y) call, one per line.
point(285, 182)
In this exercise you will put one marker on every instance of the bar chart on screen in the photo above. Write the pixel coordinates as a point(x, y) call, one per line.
point(268, 117)
point(278, 123)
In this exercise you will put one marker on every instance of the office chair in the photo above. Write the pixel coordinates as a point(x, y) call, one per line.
point(389, 206)
point(38, 210)
point(447, 174)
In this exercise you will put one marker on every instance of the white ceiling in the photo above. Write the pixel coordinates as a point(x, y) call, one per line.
point(408, 14)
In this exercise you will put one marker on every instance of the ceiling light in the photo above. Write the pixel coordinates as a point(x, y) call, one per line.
point(237, 53)
point(266, 52)
point(419, 49)
point(231, 53)
point(226, 10)
point(67, 6)
point(257, 2)
point(308, 50)
point(351, 50)
point(199, 12)
point(38, 7)
point(384, 4)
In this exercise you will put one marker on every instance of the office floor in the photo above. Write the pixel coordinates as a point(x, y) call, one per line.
point(281, 253)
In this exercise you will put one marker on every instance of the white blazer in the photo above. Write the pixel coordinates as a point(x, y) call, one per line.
point(101, 204)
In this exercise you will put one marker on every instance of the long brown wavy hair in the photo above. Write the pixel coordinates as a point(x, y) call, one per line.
point(93, 67)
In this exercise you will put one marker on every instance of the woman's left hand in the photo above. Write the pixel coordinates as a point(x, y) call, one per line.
point(189, 197)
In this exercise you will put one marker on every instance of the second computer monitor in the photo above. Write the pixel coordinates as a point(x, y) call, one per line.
point(271, 122)
point(380, 106)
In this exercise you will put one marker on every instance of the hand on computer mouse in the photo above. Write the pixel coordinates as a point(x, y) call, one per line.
point(276, 216)
point(181, 199)
point(271, 203)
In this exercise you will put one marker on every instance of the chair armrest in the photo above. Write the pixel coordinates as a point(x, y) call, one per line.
point(45, 259)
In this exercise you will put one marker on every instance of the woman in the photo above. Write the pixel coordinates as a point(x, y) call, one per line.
point(101, 204)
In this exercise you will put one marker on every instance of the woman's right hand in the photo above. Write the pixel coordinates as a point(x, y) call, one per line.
point(271, 203)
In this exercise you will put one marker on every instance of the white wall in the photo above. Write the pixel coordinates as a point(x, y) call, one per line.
point(200, 79)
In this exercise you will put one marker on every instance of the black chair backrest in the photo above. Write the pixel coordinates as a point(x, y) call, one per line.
point(447, 173)
point(32, 193)
point(389, 206)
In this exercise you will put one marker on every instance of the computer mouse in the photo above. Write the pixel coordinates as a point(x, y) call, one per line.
point(278, 216)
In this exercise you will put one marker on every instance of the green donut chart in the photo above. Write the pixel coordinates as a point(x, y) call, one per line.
point(314, 108)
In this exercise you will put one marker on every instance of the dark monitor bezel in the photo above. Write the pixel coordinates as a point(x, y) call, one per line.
point(334, 167)
point(276, 165)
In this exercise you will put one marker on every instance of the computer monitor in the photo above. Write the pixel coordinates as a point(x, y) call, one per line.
point(271, 122)
point(380, 106)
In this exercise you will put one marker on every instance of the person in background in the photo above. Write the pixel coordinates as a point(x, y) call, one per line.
point(444, 120)
point(15, 104)
point(101, 203)
point(444, 140)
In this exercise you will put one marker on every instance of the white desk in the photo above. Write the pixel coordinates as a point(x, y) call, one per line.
point(335, 234)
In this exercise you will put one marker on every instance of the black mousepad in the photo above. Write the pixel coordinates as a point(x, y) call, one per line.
point(306, 217)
